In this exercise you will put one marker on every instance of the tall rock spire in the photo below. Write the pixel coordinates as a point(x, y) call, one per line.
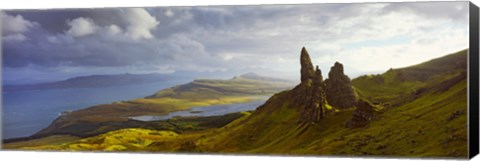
point(308, 97)
point(339, 91)
point(306, 69)
point(311, 91)
point(318, 74)
point(317, 104)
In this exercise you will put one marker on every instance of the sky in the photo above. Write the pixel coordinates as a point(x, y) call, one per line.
point(367, 38)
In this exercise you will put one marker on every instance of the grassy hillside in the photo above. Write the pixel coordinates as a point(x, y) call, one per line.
point(139, 132)
point(426, 117)
point(434, 125)
point(395, 86)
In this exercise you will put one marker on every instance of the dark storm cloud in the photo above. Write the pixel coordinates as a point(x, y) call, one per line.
point(60, 50)
point(217, 38)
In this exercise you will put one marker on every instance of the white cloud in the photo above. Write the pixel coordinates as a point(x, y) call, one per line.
point(184, 47)
point(53, 39)
point(60, 39)
point(169, 13)
point(15, 24)
point(364, 37)
point(423, 38)
point(14, 38)
point(200, 68)
point(81, 26)
point(140, 23)
point(381, 58)
point(14, 27)
point(227, 56)
point(114, 29)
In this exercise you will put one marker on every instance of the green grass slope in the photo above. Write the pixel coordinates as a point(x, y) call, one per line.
point(428, 119)
point(393, 87)
point(434, 125)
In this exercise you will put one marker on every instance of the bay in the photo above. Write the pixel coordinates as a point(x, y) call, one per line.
point(27, 112)
point(214, 110)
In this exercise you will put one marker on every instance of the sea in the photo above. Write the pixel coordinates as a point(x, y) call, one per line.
point(27, 112)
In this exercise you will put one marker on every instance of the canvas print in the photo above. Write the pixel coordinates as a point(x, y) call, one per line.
point(351, 79)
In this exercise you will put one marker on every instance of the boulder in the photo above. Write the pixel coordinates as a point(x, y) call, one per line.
point(362, 115)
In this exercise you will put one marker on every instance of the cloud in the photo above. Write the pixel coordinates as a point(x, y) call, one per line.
point(457, 12)
point(16, 24)
point(14, 37)
point(140, 23)
point(227, 56)
point(81, 26)
point(169, 13)
point(367, 37)
point(137, 22)
point(114, 29)
point(14, 30)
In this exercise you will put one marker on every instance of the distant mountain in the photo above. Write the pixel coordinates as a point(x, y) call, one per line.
point(255, 76)
point(126, 79)
point(95, 81)
point(9, 82)
point(246, 84)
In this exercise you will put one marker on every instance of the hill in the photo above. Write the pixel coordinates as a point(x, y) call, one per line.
point(397, 86)
point(246, 84)
point(420, 112)
point(95, 81)
point(255, 76)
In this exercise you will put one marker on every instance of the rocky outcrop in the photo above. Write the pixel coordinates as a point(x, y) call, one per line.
point(314, 104)
point(364, 113)
point(306, 69)
point(310, 93)
point(339, 91)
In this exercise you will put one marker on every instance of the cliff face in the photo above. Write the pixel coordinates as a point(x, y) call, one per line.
point(339, 91)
